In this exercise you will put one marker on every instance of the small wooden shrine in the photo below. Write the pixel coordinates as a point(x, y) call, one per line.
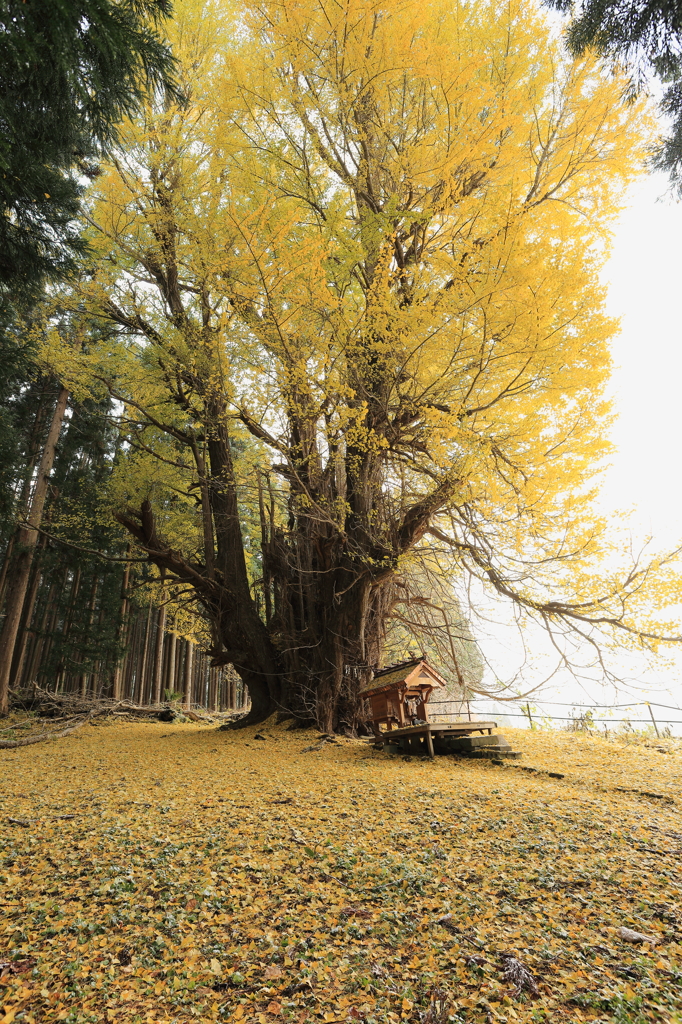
point(398, 695)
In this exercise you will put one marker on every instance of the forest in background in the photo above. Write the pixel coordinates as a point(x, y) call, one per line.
point(89, 625)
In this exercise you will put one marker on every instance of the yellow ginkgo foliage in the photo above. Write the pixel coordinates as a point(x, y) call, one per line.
point(355, 281)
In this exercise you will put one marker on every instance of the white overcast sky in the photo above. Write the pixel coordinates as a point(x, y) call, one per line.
point(644, 292)
point(645, 288)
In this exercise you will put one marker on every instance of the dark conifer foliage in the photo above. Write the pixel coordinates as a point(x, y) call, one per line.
point(645, 37)
point(69, 71)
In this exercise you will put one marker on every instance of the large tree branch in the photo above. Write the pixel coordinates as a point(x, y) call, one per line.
point(260, 432)
point(570, 613)
point(417, 519)
point(141, 525)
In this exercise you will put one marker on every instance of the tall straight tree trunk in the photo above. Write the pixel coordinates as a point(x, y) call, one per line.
point(170, 678)
point(179, 650)
point(98, 676)
point(132, 666)
point(121, 632)
point(27, 540)
point(6, 562)
point(23, 502)
point(91, 618)
point(158, 655)
point(187, 688)
point(212, 688)
point(48, 626)
point(63, 677)
point(141, 675)
point(25, 627)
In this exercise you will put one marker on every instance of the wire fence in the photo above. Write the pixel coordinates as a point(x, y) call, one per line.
point(535, 716)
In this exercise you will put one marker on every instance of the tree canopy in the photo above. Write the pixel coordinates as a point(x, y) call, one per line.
point(646, 39)
point(351, 289)
point(70, 70)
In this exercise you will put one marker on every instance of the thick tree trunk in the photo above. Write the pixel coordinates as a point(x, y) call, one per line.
point(26, 546)
point(311, 636)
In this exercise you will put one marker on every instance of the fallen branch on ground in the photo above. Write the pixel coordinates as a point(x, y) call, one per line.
point(51, 734)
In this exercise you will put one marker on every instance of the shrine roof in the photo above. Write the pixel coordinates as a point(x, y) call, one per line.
point(393, 674)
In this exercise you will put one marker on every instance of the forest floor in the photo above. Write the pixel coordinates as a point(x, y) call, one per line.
point(169, 873)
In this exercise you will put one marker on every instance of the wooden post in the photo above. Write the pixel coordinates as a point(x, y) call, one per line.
point(429, 742)
point(653, 720)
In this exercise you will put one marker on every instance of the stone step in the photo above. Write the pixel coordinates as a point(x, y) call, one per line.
point(493, 753)
point(461, 743)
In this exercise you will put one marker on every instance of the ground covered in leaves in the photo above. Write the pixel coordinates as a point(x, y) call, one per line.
point(172, 873)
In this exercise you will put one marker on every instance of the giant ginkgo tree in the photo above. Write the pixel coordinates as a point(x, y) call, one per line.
point(357, 329)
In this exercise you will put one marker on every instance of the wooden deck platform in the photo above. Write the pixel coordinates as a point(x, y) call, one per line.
point(429, 730)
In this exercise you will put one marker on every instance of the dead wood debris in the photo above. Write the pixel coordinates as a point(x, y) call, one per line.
point(517, 974)
point(79, 711)
point(51, 734)
point(10, 967)
point(628, 935)
point(468, 934)
point(439, 1008)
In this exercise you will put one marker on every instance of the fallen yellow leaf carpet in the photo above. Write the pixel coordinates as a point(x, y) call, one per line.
point(172, 873)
